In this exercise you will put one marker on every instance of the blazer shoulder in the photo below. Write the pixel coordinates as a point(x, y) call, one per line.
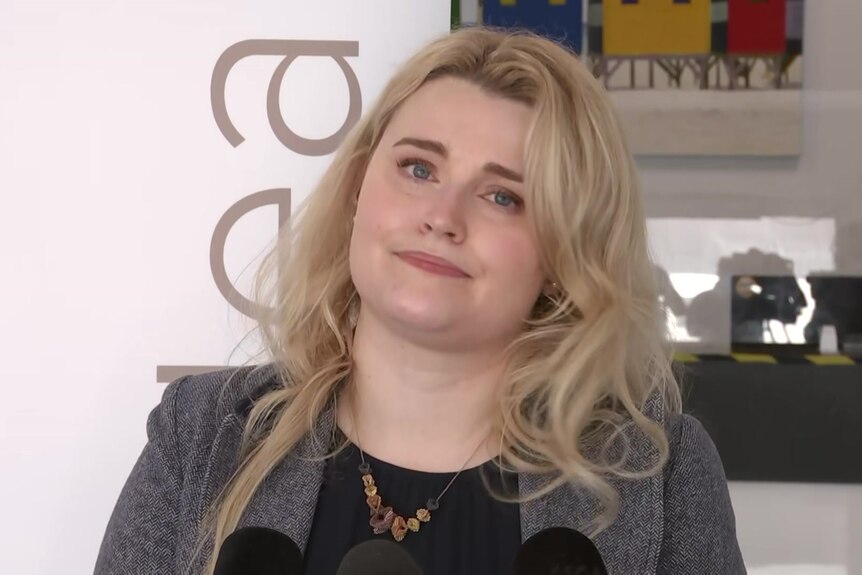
point(694, 461)
point(699, 521)
point(195, 405)
point(691, 446)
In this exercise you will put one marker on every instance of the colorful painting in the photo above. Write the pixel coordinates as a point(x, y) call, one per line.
point(690, 77)
point(558, 19)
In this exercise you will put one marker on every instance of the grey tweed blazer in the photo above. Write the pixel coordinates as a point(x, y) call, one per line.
point(680, 521)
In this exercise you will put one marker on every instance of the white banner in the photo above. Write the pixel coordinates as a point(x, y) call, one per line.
point(137, 141)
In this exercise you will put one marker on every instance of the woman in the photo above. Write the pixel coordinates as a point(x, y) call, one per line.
point(466, 349)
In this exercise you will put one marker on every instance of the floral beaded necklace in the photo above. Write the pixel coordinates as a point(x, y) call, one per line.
point(383, 517)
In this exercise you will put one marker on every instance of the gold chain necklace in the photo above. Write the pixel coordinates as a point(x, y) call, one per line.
point(383, 517)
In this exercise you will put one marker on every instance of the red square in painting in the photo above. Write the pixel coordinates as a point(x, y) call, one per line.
point(756, 26)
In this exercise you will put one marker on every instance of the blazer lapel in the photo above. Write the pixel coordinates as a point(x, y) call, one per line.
point(563, 507)
point(234, 402)
point(287, 499)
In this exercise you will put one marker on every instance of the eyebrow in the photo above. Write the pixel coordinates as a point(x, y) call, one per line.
point(429, 145)
point(503, 172)
point(439, 149)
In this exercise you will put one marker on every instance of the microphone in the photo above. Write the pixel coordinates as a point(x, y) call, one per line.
point(559, 551)
point(378, 557)
point(258, 551)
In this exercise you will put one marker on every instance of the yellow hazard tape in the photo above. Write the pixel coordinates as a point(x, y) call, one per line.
point(753, 358)
point(830, 360)
point(825, 360)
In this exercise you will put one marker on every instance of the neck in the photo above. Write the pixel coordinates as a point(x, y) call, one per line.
point(418, 408)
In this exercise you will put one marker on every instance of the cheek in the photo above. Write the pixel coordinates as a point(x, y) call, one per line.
point(368, 208)
point(378, 205)
point(514, 258)
point(378, 217)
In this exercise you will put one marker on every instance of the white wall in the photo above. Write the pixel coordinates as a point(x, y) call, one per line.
point(799, 529)
point(113, 176)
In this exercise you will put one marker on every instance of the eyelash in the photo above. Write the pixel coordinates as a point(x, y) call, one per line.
point(517, 202)
point(415, 161)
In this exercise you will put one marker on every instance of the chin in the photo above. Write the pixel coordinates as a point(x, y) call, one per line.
point(431, 318)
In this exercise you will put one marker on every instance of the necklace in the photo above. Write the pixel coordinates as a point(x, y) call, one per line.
point(383, 517)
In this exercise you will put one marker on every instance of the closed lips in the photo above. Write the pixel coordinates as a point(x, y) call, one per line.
point(437, 261)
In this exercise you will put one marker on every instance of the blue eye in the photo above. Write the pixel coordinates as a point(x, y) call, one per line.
point(506, 200)
point(416, 169)
point(503, 199)
point(421, 171)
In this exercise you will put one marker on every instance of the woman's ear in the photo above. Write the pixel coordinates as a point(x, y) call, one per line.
point(551, 289)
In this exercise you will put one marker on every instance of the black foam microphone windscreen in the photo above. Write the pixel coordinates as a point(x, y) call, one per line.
point(378, 557)
point(559, 551)
point(258, 551)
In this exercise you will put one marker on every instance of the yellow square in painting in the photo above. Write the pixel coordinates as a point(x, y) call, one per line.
point(507, 2)
point(657, 27)
point(558, 2)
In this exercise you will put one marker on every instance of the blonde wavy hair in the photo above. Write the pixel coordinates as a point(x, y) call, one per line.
point(591, 354)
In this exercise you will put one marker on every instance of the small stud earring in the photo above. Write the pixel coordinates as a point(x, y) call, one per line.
point(552, 289)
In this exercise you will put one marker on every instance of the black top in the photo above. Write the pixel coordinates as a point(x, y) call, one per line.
point(471, 533)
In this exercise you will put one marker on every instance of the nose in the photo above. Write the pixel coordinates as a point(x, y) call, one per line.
point(444, 217)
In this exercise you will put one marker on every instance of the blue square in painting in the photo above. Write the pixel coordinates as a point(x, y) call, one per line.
point(558, 19)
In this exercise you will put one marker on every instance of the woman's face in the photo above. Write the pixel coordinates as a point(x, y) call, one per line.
point(442, 251)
